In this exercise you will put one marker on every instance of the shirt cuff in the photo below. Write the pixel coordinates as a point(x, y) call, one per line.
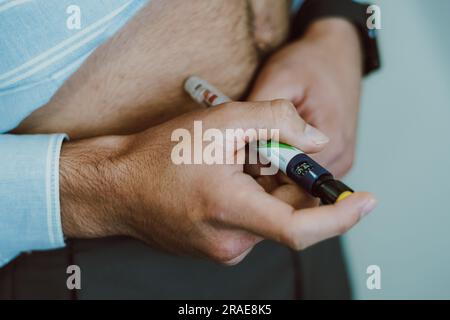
point(30, 217)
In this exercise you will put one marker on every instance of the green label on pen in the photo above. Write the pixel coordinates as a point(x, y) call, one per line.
point(275, 144)
point(278, 153)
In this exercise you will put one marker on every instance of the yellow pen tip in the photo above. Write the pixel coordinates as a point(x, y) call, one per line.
point(344, 195)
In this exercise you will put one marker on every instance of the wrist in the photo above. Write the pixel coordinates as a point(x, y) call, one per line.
point(91, 187)
point(338, 36)
point(331, 26)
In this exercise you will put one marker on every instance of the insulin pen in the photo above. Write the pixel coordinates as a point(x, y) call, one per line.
point(298, 166)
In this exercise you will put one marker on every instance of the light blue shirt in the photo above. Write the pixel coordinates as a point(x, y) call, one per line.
point(40, 47)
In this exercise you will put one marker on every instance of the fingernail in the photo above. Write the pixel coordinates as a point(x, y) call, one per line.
point(318, 137)
point(368, 207)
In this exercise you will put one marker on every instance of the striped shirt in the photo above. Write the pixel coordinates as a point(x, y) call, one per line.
point(42, 43)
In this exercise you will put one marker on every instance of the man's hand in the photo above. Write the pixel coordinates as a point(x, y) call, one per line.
point(128, 185)
point(321, 74)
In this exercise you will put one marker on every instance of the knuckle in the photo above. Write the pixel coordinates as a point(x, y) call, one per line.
point(347, 164)
point(218, 213)
point(224, 251)
point(339, 147)
point(344, 161)
point(218, 206)
point(298, 245)
point(285, 115)
point(343, 154)
point(284, 108)
point(290, 237)
point(215, 213)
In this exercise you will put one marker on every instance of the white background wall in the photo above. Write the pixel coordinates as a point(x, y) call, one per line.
point(404, 156)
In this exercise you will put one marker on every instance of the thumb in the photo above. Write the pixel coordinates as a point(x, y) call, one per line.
point(317, 224)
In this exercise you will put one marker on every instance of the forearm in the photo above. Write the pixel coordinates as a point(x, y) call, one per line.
point(354, 12)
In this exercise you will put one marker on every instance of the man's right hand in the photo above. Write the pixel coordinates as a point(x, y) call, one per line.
point(128, 185)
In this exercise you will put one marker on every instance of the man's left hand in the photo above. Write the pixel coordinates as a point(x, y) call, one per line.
point(321, 74)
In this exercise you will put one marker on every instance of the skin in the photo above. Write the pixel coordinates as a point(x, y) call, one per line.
point(104, 191)
point(324, 87)
point(135, 80)
point(127, 184)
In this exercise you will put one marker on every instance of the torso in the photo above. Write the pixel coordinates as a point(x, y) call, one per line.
point(135, 80)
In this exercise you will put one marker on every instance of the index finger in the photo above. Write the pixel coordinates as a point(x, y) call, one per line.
point(278, 115)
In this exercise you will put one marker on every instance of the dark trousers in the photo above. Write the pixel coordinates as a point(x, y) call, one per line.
point(121, 268)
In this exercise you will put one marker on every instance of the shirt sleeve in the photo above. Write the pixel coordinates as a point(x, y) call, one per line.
point(295, 6)
point(29, 194)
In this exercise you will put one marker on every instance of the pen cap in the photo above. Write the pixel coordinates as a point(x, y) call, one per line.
point(330, 191)
point(204, 93)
